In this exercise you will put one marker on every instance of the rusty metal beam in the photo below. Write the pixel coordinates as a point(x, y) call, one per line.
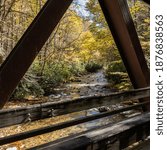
point(22, 56)
point(120, 22)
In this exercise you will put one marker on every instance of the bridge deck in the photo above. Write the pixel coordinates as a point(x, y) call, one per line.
point(112, 136)
point(117, 136)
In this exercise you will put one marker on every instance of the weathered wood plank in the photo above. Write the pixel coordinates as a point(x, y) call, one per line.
point(106, 135)
point(46, 110)
point(28, 134)
point(141, 145)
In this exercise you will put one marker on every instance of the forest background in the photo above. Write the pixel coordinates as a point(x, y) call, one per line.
point(81, 43)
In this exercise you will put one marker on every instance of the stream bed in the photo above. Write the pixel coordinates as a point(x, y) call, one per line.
point(87, 85)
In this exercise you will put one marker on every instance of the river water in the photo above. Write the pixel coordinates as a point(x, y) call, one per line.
point(87, 85)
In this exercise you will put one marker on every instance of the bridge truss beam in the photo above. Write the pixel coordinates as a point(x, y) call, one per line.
point(24, 53)
point(121, 25)
point(120, 22)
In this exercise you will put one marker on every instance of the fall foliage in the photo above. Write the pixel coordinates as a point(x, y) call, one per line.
point(78, 41)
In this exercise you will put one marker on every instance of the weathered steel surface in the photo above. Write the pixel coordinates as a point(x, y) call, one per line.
point(120, 22)
point(28, 134)
point(20, 59)
point(105, 137)
point(41, 111)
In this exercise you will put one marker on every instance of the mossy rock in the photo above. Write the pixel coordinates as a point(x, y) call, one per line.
point(123, 86)
point(117, 77)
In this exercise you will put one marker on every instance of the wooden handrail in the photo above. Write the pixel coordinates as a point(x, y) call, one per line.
point(40, 111)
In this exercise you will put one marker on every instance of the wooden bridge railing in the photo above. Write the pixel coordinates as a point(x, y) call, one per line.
point(16, 116)
point(109, 137)
point(121, 25)
point(40, 111)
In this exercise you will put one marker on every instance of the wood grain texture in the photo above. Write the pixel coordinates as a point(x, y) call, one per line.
point(41, 111)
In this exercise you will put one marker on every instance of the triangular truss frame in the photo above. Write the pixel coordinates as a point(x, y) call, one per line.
point(120, 23)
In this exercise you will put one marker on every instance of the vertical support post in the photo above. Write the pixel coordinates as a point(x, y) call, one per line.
point(22, 56)
point(120, 22)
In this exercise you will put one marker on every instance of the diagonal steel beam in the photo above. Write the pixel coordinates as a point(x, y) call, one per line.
point(22, 56)
point(120, 22)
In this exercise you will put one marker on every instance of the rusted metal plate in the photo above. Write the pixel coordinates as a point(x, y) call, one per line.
point(120, 22)
point(22, 56)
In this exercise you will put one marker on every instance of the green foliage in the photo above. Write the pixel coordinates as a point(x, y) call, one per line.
point(117, 75)
point(77, 69)
point(93, 67)
point(53, 74)
point(28, 86)
point(116, 66)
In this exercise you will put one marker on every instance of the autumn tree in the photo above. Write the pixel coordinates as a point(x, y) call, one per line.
point(105, 43)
